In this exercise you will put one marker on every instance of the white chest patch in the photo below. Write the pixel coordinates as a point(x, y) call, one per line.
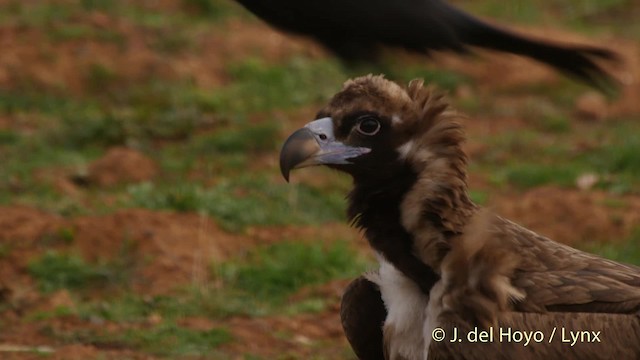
point(409, 323)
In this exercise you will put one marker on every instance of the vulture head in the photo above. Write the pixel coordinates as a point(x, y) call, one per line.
point(375, 130)
point(403, 148)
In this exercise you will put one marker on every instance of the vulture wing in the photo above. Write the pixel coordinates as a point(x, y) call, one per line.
point(363, 313)
point(502, 263)
point(356, 29)
point(556, 277)
point(602, 335)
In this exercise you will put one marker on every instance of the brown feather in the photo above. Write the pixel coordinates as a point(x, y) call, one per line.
point(437, 207)
point(362, 313)
point(477, 273)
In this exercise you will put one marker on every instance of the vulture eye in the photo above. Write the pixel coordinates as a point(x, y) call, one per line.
point(368, 125)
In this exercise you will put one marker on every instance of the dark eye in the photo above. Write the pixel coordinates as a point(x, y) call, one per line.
point(368, 125)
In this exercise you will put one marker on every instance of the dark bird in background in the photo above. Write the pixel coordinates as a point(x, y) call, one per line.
point(355, 30)
point(444, 261)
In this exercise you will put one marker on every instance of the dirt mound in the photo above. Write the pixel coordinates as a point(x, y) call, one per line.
point(158, 251)
point(121, 165)
point(176, 249)
point(299, 335)
point(28, 341)
point(161, 250)
point(22, 227)
point(572, 216)
point(22, 233)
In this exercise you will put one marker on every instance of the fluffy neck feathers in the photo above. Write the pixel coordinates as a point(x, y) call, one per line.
point(412, 213)
point(437, 207)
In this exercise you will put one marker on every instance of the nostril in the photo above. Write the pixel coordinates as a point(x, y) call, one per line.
point(322, 137)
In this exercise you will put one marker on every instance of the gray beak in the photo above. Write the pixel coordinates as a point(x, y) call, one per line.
point(313, 145)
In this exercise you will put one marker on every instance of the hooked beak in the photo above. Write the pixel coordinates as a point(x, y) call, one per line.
point(313, 145)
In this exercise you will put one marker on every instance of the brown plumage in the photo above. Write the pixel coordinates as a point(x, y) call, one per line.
point(444, 261)
point(362, 311)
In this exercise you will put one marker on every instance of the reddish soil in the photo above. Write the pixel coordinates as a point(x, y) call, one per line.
point(69, 65)
point(167, 251)
point(170, 249)
point(121, 165)
point(572, 216)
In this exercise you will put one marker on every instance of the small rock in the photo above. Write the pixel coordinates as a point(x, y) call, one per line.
point(587, 181)
point(62, 299)
point(154, 319)
point(591, 106)
point(301, 339)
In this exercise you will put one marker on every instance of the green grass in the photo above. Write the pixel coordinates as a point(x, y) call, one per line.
point(133, 309)
point(249, 138)
point(514, 12)
point(529, 175)
point(584, 15)
point(8, 137)
point(554, 123)
point(100, 5)
point(244, 202)
point(5, 250)
point(98, 129)
point(479, 197)
point(31, 100)
point(139, 114)
point(588, 15)
point(443, 79)
point(61, 311)
point(210, 302)
point(61, 236)
point(30, 155)
point(59, 270)
point(259, 87)
point(552, 155)
point(172, 340)
point(279, 270)
point(167, 339)
point(71, 32)
point(616, 175)
point(212, 10)
point(56, 271)
point(627, 252)
point(619, 153)
point(35, 14)
point(257, 284)
point(47, 14)
point(100, 77)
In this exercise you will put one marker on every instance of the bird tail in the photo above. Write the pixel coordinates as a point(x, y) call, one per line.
point(578, 61)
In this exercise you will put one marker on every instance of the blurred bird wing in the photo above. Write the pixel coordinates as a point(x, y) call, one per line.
point(354, 29)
